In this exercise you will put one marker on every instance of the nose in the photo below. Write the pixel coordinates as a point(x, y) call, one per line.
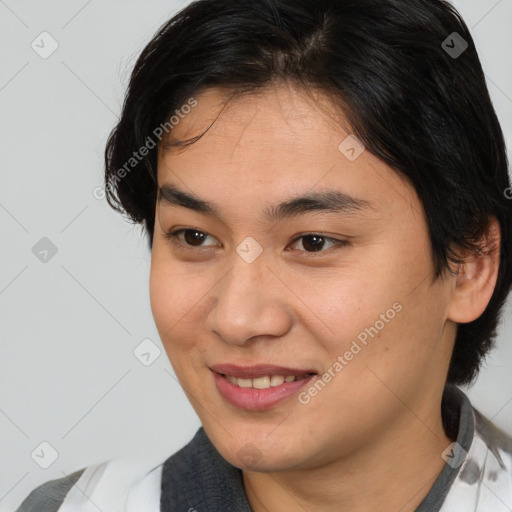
point(250, 302)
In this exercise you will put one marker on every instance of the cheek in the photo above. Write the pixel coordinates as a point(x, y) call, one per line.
point(178, 300)
point(343, 302)
point(385, 313)
point(365, 319)
point(388, 344)
point(161, 296)
point(169, 296)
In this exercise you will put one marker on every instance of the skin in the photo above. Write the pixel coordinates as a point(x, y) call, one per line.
point(372, 438)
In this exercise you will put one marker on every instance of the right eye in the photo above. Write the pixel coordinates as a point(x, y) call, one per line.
point(189, 237)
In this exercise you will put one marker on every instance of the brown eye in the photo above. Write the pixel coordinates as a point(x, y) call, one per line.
point(313, 243)
point(316, 242)
point(193, 237)
point(189, 237)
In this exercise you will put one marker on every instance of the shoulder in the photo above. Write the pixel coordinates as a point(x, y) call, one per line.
point(112, 485)
point(49, 496)
point(496, 445)
point(128, 483)
point(493, 436)
point(484, 479)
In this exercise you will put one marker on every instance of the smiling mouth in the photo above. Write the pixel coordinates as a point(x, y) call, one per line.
point(264, 382)
point(259, 387)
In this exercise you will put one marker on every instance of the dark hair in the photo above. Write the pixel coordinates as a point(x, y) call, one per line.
point(416, 105)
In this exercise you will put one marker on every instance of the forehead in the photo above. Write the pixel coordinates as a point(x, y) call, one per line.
point(276, 143)
point(277, 113)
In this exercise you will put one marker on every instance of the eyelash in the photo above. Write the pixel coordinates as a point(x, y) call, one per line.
point(174, 237)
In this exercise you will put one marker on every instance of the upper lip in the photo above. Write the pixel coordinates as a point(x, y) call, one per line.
point(259, 370)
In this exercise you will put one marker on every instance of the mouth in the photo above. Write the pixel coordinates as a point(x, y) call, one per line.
point(264, 382)
point(260, 387)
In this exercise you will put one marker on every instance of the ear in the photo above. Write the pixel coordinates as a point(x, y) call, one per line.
point(476, 277)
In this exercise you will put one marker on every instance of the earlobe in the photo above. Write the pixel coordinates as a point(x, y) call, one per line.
point(476, 277)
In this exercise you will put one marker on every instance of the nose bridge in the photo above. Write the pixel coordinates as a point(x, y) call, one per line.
point(247, 303)
point(241, 282)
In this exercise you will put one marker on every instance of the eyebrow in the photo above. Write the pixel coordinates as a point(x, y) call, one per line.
point(329, 201)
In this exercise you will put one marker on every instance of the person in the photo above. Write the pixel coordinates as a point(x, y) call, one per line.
point(324, 187)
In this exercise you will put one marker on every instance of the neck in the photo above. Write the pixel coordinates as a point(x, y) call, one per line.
point(393, 473)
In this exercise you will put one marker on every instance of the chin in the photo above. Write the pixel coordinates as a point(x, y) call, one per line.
point(260, 453)
point(263, 463)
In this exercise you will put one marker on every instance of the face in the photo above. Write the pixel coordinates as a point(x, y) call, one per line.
point(280, 250)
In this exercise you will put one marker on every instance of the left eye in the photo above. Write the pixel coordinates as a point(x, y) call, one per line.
point(316, 242)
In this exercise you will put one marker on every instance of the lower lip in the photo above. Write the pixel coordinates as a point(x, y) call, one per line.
point(252, 399)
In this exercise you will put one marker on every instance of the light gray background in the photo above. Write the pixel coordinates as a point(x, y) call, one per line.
point(68, 327)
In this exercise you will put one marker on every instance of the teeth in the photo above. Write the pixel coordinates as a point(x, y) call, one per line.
point(245, 383)
point(276, 380)
point(261, 382)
